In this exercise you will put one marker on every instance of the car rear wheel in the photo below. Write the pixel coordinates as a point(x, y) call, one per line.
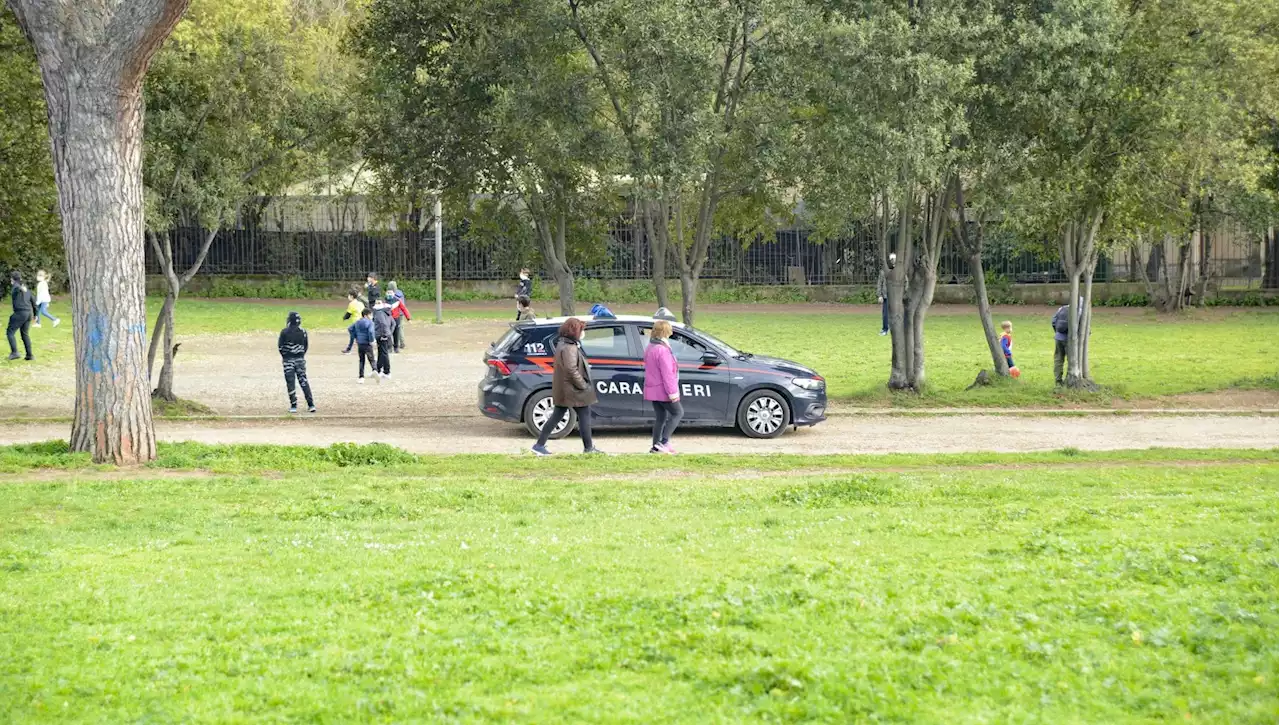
point(763, 414)
point(539, 408)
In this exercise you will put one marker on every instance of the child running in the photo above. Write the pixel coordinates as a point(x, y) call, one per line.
point(24, 308)
point(363, 334)
point(398, 311)
point(43, 299)
point(383, 328)
point(293, 345)
point(354, 308)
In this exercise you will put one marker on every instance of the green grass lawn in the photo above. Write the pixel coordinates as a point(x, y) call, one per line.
point(308, 585)
point(1134, 353)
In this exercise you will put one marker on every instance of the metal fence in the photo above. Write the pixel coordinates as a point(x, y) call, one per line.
point(789, 257)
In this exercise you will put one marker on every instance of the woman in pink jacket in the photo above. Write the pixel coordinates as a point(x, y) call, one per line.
point(662, 386)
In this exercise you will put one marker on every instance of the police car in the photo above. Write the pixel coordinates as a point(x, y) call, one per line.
point(719, 386)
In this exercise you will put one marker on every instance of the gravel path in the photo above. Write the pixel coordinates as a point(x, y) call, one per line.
point(857, 434)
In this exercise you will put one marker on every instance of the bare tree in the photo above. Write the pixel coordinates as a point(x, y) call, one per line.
point(93, 55)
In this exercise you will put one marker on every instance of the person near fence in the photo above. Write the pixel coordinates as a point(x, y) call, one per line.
point(383, 328)
point(372, 292)
point(883, 298)
point(354, 308)
point(399, 316)
point(292, 345)
point(662, 387)
point(43, 299)
point(24, 309)
point(524, 288)
point(362, 332)
point(570, 387)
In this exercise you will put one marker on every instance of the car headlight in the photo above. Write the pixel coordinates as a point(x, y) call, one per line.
point(809, 383)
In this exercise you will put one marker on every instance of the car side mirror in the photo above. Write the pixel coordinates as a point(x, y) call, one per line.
point(710, 358)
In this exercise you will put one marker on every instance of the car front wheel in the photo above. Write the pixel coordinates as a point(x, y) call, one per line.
point(539, 408)
point(763, 414)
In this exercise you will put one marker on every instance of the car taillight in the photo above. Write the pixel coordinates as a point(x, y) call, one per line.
point(500, 366)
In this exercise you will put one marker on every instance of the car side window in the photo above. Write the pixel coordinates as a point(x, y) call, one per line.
point(608, 342)
point(687, 349)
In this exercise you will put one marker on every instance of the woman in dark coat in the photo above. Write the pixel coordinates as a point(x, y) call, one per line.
point(570, 387)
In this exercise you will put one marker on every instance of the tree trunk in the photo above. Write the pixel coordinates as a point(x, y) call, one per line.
point(984, 314)
point(1078, 250)
point(551, 241)
point(1155, 261)
point(93, 57)
point(164, 386)
point(688, 296)
point(655, 228)
point(1086, 317)
point(896, 282)
point(1203, 293)
point(1271, 248)
point(157, 330)
point(972, 242)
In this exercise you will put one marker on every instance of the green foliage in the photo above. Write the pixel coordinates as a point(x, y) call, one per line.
point(999, 289)
point(694, 590)
point(233, 111)
point(289, 288)
point(1136, 299)
point(30, 230)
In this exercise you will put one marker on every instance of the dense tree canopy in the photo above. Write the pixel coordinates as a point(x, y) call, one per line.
point(30, 236)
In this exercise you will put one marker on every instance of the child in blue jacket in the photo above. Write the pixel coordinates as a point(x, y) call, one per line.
point(364, 336)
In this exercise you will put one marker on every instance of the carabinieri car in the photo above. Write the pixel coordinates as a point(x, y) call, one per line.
point(719, 386)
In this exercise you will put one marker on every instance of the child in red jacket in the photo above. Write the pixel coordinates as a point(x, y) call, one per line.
point(398, 311)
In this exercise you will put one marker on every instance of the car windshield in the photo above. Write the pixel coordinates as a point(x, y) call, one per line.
point(725, 348)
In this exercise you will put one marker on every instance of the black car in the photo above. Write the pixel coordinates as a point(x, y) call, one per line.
point(719, 386)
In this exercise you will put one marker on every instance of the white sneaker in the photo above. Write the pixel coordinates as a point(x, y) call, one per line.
point(37, 325)
point(360, 381)
point(57, 322)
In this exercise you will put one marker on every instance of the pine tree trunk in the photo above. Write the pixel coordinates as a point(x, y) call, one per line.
point(984, 314)
point(93, 57)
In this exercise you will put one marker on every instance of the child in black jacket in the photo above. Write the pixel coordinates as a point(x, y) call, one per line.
point(293, 353)
point(24, 310)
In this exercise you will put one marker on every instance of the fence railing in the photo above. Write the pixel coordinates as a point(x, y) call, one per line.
point(789, 257)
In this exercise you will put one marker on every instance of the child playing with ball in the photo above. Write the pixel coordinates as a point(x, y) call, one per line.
point(1006, 344)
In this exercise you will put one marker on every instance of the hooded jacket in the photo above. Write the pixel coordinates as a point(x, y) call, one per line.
point(24, 305)
point(383, 325)
point(293, 342)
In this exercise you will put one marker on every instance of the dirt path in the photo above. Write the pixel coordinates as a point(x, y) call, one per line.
point(860, 434)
